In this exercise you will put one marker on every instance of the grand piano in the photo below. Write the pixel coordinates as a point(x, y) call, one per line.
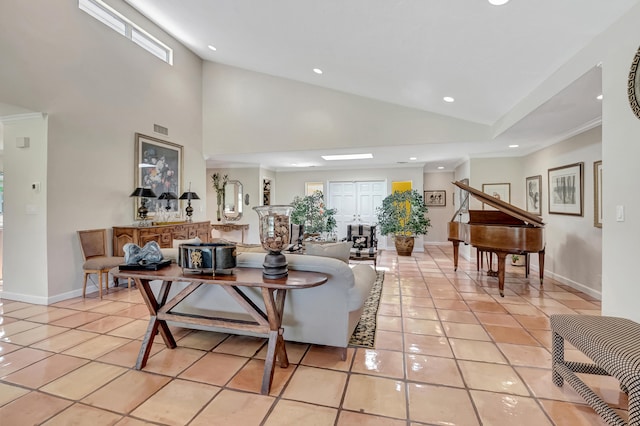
point(507, 230)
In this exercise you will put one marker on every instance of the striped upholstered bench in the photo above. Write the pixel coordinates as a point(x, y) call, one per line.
point(614, 346)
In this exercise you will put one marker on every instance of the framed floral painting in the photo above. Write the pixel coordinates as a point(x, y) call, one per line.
point(158, 165)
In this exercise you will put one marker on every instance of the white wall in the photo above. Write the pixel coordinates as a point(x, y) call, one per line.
point(620, 154)
point(440, 216)
point(574, 245)
point(247, 111)
point(98, 90)
point(25, 210)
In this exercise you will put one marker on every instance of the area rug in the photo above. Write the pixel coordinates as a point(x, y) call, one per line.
point(365, 333)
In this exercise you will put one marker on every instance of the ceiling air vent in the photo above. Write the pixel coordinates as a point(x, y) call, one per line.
point(159, 129)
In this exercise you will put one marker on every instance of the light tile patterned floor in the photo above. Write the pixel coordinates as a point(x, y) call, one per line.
point(449, 350)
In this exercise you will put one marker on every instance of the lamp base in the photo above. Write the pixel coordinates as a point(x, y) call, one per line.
point(275, 266)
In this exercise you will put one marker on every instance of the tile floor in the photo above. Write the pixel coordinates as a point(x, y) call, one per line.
point(449, 351)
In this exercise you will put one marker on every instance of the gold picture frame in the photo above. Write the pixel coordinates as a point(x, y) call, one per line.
point(158, 165)
point(597, 194)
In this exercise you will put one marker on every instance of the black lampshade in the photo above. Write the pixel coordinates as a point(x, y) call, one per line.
point(143, 192)
point(188, 195)
point(168, 196)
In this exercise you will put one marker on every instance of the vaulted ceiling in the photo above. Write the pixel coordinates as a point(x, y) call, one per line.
point(411, 53)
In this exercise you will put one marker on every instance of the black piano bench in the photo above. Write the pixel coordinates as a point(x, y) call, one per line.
point(614, 346)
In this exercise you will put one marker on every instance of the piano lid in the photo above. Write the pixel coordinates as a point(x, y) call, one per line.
point(503, 206)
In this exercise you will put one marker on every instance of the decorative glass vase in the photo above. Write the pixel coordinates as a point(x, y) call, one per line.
point(274, 229)
point(220, 200)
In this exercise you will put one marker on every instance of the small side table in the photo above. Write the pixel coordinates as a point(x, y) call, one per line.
point(231, 227)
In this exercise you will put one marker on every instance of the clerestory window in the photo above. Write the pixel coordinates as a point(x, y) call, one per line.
point(116, 21)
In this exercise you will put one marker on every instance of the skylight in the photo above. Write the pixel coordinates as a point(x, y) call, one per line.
point(347, 157)
point(117, 22)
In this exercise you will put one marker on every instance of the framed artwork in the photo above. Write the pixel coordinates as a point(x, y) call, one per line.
point(501, 191)
point(435, 198)
point(533, 191)
point(566, 189)
point(311, 187)
point(597, 194)
point(158, 165)
point(266, 192)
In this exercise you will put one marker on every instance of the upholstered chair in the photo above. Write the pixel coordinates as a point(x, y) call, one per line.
point(96, 260)
point(364, 242)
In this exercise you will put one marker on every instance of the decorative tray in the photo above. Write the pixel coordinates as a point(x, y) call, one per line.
point(146, 266)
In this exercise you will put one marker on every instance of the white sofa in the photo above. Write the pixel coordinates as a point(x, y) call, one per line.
point(323, 315)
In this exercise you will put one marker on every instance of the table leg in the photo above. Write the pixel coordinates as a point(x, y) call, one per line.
point(155, 324)
point(276, 349)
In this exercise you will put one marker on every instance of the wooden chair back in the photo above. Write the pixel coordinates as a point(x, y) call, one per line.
point(93, 243)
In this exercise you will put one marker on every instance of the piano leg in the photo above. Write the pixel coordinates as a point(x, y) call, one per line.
point(541, 264)
point(456, 247)
point(501, 267)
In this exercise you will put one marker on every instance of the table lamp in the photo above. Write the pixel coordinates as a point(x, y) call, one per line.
point(188, 195)
point(143, 193)
point(168, 196)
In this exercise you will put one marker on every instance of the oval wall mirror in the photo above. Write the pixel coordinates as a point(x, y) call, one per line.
point(633, 84)
point(232, 201)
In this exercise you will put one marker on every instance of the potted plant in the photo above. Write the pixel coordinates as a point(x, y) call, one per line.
point(311, 212)
point(403, 215)
point(517, 260)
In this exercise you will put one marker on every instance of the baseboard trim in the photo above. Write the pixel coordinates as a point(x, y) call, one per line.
point(573, 284)
point(42, 300)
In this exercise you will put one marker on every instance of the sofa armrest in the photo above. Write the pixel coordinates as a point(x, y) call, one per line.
point(364, 277)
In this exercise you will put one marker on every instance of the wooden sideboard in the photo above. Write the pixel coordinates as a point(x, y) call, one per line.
point(162, 234)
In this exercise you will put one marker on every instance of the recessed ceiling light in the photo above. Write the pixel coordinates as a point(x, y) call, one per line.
point(599, 97)
point(498, 2)
point(413, 158)
point(440, 167)
point(317, 70)
point(347, 157)
point(514, 146)
point(448, 99)
point(212, 47)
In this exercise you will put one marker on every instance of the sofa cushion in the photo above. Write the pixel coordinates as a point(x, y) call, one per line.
point(249, 248)
point(172, 253)
point(176, 243)
point(338, 251)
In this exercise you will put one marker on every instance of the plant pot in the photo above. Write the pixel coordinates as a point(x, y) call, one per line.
point(404, 245)
point(518, 260)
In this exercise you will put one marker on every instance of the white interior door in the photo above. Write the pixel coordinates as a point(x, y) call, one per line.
point(356, 202)
point(342, 197)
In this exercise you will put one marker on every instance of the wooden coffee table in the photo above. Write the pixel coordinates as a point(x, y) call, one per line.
point(266, 321)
